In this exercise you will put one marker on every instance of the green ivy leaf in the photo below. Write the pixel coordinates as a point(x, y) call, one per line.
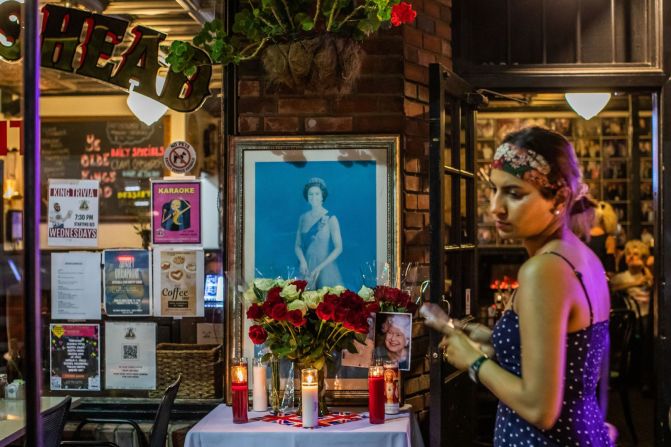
point(190, 70)
point(307, 24)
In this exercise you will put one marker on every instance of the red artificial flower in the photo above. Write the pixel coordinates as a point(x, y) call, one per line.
point(325, 311)
point(340, 314)
point(257, 334)
point(255, 312)
point(357, 322)
point(279, 312)
point(274, 293)
point(295, 317)
point(270, 302)
point(402, 13)
point(332, 299)
point(373, 307)
point(300, 284)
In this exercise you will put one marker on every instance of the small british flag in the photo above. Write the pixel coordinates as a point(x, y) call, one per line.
point(293, 420)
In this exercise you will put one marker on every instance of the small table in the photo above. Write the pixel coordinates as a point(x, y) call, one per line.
point(13, 416)
point(217, 429)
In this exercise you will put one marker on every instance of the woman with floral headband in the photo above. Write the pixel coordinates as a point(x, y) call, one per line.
point(551, 341)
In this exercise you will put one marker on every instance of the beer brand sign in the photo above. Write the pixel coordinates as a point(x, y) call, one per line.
point(82, 42)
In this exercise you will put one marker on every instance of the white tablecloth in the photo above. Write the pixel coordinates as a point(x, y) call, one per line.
point(217, 429)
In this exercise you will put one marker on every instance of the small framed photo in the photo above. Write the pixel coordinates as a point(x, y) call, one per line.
point(394, 338)
point(175, 209)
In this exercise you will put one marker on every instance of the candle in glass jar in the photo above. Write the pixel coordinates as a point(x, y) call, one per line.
point(376, 394)
point(259, 395)
point(391, 383)
point(310, 397)
point(239, 390)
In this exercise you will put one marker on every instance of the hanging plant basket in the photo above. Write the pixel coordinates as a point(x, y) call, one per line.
point(325, 64)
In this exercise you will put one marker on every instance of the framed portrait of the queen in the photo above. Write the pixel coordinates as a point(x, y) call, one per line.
point(323, 209)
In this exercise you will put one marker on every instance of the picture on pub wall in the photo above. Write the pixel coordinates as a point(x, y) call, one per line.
point(321, 209)
point(176, 217)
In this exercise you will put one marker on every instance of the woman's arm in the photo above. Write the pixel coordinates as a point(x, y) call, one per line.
point(298, 250)
point(334, 227)
point(543, 307)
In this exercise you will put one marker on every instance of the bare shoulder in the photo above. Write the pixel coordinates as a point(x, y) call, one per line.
point(544, 285)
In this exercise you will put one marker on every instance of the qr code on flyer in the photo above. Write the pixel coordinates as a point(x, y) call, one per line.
point(55, 382)
point(130, 352)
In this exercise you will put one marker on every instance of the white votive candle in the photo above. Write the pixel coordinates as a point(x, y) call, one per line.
point(310, 397)
point(260, 395)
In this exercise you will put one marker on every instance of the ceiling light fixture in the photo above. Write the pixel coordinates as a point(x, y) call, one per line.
point(587, 105)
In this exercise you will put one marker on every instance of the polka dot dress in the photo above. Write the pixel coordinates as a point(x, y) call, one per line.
point(580, 422)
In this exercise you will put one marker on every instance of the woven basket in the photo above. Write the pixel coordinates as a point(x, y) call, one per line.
point(199, 365)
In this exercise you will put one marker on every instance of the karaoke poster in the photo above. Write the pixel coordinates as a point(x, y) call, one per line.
point(175, 212)
point(75, 357)
point(126, 283)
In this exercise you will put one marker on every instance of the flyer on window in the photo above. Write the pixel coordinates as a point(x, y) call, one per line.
point(126, 283)
point(175, 212)
point(178, 282)
point(72, 218)
point(75, 286)
point(130, 356)
point(75, 357)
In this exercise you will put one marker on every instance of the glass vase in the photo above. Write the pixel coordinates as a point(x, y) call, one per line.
point(274, 385)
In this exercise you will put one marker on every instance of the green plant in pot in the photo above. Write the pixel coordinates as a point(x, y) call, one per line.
point(314, 44)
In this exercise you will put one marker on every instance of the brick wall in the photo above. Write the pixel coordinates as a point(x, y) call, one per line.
point(391, 96)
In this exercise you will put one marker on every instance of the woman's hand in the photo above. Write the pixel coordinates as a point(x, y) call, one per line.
point(436, 318)
point(314, 275)
point(477, 332)
point(304, 269)
point(460, 351)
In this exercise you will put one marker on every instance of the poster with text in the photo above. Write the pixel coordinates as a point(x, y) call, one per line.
point(126, 283)
point(130, 356)
point(75, 286)
point(72, 219)
point(178, 282)
point(175, 209)
point(75, 357)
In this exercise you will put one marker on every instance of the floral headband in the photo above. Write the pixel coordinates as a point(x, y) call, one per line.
point(526, 165)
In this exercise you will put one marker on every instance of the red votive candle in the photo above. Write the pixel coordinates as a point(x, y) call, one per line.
point(240, 390)
point(376, 394)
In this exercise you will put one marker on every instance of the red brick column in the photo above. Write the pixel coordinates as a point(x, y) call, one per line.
point(392, 97)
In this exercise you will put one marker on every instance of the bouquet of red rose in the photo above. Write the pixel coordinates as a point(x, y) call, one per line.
point(306, 325)
point(390, 299)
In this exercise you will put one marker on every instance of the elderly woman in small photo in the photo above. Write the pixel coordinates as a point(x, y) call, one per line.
point(318, 240)
point(396, 337)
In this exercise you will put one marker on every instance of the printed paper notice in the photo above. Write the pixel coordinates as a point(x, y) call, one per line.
point(75, 286)
point(75, 357)
point(126, 283)
point(73, 213)
point(130, 356)
point(178, 283)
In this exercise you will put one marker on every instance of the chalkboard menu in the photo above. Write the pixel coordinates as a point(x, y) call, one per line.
point(123, 153)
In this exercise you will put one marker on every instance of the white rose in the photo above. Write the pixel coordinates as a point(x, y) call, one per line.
point(337, 290)
point(366, 293)
point(249, 297)
point(298, 304)
point(290, 292)
point(313, 297)
point(264, 284)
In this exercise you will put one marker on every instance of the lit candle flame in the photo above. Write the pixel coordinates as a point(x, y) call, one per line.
point(240, 376)
point(310, 379)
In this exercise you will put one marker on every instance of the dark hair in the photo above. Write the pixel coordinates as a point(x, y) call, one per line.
point(321, 184)
point(564, 166)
